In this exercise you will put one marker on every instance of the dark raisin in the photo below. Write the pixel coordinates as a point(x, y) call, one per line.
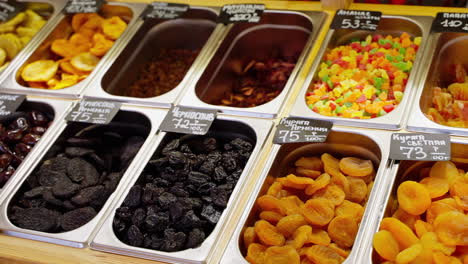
point(133, 198)
point(134, 236)
point(211, 214)
point(138, 217)
point(195, 238)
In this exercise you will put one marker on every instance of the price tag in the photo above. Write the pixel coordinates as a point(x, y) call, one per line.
point(9, 9)
point(237, 13)
point(9, 103)
point(416, 146)
point(450, 22)
point(163, 10)
point(356, 19)
point(294, 130)
point(95, 112)
point(188, 120)
point(83, 6)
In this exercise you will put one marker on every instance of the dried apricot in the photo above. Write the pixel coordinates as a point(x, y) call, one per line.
point(452, 228)
point(413, 197)
point(321, 182)
point(299, 182)
point(101, 45)
point(401, 232)
point(318, 211)
point(113, 27)
point(440, 207)
point(430, 241)
point(322, 254)
point(409, 254)
point(268, 234)
point(331, 165)
point(462, 202)
point(459, 188)
point(356, 167)
point(342, 230)
point(288, 224)
point(319, 237)
point(421, 227)
point(40, 71)
point(342, 252)
point(270, 203)
point(80, 19)
point(311, 163)
point(275, 189)
point(350, 208)
point(256, 253)
point(332, 192)
point(301, 236)
point(292, 204)
point(386, 245)
point(357, 190)
point(369, 189)
point(249, 236)
point(340, 180)
point(437, 186)
point(307, 172)
point(270, 216)
point(406, 218)
point(441, 258)
point(445, 170)
point(282, 255)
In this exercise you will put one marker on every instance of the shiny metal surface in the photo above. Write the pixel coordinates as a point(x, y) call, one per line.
point(446, 49)
point(80, 236)
point(393, 25)
point(196, 29)
point(286, 32)
point(62, 28)
point(372, 145)
point(105, 240)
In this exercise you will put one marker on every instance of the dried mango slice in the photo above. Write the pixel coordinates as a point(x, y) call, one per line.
point(402, 233)
point(349, 208)
point(268, 234)
point(256, 253)
point(249, 236)
point(301, 236)
point(322, 254)
point(318, 211)
point(357, 190)
point(452, 228)
point(406, 218)
point(342, 230)
point(101, 45)
point(39, 71)
point(332, 192)
point(319, 237)
point(113, 27)
point(356, 167)
point(270, 216)
point(311, 163)
point(413, 197)
point(386, 245)
point(321, 182)
point(437, 186)
point(270, 203)
point(282, 255)
point(307, 172)
point(292, 204)
point(288, 224)
point(26, 32)
point(409, 254)
point(85, 61)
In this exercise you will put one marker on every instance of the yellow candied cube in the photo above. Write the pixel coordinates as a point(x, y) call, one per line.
point(417, 40)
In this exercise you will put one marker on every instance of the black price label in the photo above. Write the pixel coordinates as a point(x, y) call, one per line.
point(95, 112)
point(416, 146)
point(9, 103)
point(356, 19)
point(294, 130)
point(163, 10)
point(251, 13)
point(83, 6)
point(188, 120)
point(450, 22)
point(9, 9)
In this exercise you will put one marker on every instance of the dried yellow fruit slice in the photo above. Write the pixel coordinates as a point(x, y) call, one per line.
point(85, 61)
point(3, 56)
point(113, 27)
point(9, 45)
point(40, 71)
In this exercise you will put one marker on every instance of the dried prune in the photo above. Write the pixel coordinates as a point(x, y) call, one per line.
point(87, 195)
point(64, 189)
point(78, 151)
point(40, 219)
point(77, 218)
point(50, 178)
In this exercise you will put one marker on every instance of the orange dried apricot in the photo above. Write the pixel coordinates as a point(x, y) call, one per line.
point(282, 255)
point(406, 218)
point(318, 211)
point(288, 224)
point(340, 180)
point(409, 254)
point(66, 49)
point(311, 163)
point(413, 197)
point(445, 170)
point(440, 207)
point(342, 230)
point(459, 188)
point(321, 182)
point(441, 258)
point(331, 165)
point(256, 253)
point(322, 254)
point(421, 227)
point(332, 192)
point(350, 208)
point(462, 202)
point(356, 167)
point(249, 236)
point(270, 203)
point(319, 237)
point(430, 241)
point(296, 182)
point(342, 252)
point(270, 216)
point(307, 172)
point(275, 189)
point(369, 189)
point(386, 245)
point(401, 232)
point(437, 186)
point(357, 190)
point(301, 236)
point(452, 228)
point(268, 234)
point(292, 204)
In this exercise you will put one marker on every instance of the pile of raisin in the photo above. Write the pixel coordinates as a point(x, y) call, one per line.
point(76, 177)
point(182, 193)
point(19, 133)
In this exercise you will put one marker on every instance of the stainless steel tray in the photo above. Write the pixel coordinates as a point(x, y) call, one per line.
point(394, 177)
point(445, 50)
point(288, 32)
point(414, 25)
point(13, 83)
point(106, 240)
point(80, 236)
point(53, 108)
point(373, 145)
point(197, 29)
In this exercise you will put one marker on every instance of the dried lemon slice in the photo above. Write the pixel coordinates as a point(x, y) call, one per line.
point(84, 61)
point(113, 27)
point(9, 45)
point(40, 71)
point(4, 66)
point(67, 81)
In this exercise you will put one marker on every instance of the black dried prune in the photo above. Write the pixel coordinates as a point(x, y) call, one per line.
point(173, 145)
point(58, 163)
point(161, 182)
point(156, 222)
point(138, 217)
point(210, 144)
point(133, 198)
point(82, 171)
point(165, 200)
point(197, 178)
point(219, 174)
point(87, 195)
point(77, 218)
point(78, 151)
point(130, 149)
point(134, 236)
point(211, 214)
point(168, 174)
point(36, 192)
point(173, 241)
point(214, 156)
point(152, 209)
point(234, 177)
point(39, 219)
point(69, 205)
point(241, 144)
point(195, 238)
point(50, 178)
point(65, 189)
